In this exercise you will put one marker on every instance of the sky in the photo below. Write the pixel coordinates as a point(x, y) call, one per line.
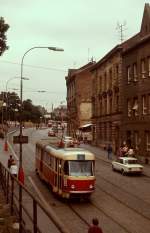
point(85, 29)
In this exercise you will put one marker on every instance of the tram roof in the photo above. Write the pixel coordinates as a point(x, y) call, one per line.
point(70, 153)
point(66, 153)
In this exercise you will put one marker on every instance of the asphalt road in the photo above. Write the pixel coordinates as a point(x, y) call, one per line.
point(121, 203)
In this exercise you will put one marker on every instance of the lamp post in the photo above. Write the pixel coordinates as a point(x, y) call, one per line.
point(21, 173)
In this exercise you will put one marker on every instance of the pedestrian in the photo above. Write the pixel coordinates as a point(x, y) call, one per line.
point(14, 169)
point(109, 151)
point(10, 160)
point(94, 228)
point(120, 151)
point(131, 152)
point(125, 150)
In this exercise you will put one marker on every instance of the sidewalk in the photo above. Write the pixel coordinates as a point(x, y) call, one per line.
point(8, 222)
point(4, 155)
point(103, 155)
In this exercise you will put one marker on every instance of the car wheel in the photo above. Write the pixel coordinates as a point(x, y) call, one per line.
point(113, 168)
point(122, 172)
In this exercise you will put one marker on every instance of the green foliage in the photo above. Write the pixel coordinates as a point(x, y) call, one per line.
point(3, 39)
point(30, 112)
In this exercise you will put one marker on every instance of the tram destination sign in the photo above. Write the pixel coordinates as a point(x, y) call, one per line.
point(81, 156)
point(20, 139)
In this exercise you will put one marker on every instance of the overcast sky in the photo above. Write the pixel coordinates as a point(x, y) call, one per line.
point(83, 28)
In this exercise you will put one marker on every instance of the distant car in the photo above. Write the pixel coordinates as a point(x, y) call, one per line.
point(68, 141)
point(127, 165)
point(51, 133)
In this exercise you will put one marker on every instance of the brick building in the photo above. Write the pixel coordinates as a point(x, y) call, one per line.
point(79, 106)
point(136, 88)
point(106, 101)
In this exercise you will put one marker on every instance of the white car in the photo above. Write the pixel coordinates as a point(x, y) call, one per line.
point(68, 141)
point(127, 165)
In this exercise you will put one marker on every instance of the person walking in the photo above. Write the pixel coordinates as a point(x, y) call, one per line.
point(10, 160)
point(94, 228)
point(14, 169)
point(109, 151)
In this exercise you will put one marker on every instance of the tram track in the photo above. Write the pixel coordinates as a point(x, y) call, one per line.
point(101, 212)
point(136, 210)
point(79, 210)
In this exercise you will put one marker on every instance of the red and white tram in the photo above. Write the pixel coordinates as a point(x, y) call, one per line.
point(69, 171)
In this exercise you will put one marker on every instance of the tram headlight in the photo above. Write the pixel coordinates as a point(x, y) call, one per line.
point(72, 186)
point(91, 186)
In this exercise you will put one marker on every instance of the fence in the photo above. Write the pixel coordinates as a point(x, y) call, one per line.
point(32, 215)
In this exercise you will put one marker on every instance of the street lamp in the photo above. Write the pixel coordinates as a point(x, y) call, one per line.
point(21, 172)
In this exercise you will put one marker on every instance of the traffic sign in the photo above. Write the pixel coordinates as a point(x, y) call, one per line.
point(20, 139)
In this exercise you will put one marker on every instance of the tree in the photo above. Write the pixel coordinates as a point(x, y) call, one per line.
point(3, 39)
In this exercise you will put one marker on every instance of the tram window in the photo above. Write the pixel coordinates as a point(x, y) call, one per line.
point(45, 157)
point(80, 168)
point(66, 168)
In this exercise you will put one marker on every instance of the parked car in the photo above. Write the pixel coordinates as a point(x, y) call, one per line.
point(127, 165)
point(51, 133)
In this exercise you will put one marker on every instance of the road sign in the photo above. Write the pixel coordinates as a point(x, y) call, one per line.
point(20, 139)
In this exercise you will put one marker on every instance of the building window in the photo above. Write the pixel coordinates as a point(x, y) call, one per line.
point(148, 110)
point(135, 77)
point(129, 107)
point(136, 139)
point(147, 134)
point(135, 107)
point(110, 78)
point(148, 66)
point(143, 71)
point(129, 74)
point(117, 74)
point(105, 106)
point(144, 106)
point(110, 105)
point(117, 103)
point(100, 83)
point(105, 81)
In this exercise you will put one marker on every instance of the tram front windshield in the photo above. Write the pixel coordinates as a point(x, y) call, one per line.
point(80, 168)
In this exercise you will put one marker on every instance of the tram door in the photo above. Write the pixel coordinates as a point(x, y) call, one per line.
point(41, 161)
point(58, 176)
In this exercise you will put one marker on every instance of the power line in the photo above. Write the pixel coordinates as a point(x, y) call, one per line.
point(34, 66)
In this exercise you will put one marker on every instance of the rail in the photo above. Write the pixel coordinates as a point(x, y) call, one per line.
point(32, 215)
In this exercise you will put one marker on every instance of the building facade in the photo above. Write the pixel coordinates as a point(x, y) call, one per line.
point(136, 89)
point(106, 99)
point(79, 105)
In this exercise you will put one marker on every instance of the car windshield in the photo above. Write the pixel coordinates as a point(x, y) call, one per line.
point(80, 168)
point(131, 162)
